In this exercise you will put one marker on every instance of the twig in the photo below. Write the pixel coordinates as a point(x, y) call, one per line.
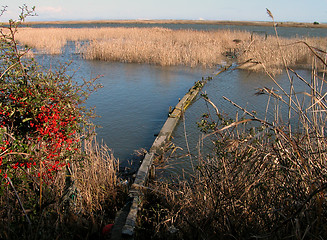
point(186, 140)
point(272, 126)
point(20, 202)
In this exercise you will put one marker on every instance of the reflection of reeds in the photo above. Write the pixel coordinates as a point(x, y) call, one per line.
point(173, 47)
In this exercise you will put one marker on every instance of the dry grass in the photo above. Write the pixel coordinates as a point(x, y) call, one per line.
point(50, 40)
point(174, 47)
point(266, 182)
point(165, 47)
point(269, 53)
point(77, 204)
point(96, 177)
point(143, 45)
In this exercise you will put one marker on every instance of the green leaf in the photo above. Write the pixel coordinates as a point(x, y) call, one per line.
point(27, 119)
point(12, 113)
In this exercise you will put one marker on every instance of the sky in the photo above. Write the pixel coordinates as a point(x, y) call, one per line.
point(235, 10)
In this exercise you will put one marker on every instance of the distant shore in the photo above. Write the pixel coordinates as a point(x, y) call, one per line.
point(211, 22)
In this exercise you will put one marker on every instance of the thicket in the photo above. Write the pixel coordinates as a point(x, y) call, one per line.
point(56, 181)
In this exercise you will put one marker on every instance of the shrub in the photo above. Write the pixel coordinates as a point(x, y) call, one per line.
point(45, 149)
point(41, 113)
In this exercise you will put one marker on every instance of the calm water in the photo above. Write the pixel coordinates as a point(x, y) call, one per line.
point(135, 98)
point(134, 102)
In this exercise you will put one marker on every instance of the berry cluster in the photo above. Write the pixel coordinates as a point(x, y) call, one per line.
point(36, 119)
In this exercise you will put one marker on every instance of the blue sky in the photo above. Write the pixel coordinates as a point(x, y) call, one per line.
point(247, 10)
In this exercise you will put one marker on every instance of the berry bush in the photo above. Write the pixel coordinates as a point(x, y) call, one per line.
point(42, 116)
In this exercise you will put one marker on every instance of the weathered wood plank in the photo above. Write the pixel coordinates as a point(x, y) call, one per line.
point(143, 172)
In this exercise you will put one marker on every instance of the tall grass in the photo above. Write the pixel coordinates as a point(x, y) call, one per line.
point(50, 41)
point(165, 47)
point(173, 47)
point(96, 178)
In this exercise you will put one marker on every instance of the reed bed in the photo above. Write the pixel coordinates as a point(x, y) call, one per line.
point(166, 47)
point(50, 41)
point(141, 45)
point(96, 177)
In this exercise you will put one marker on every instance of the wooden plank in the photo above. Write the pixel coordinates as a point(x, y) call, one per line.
point(143, 172)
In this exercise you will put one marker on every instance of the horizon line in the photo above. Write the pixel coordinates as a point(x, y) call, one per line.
point(181, 21)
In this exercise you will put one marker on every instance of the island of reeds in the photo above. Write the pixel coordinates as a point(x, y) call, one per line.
point(168, 47)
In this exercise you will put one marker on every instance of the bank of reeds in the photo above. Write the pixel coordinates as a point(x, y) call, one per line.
point(266, 181)
point(96, 178)
point(174, 47)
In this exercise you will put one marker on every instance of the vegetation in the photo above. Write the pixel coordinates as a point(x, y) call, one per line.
point(268, 181)
point(176, 47)
point(262, 180)
point(56, 181)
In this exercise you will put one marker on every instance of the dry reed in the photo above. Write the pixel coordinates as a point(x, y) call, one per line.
point(96, 177)
point(269, 53)
point(164, 47)
point(173, 47)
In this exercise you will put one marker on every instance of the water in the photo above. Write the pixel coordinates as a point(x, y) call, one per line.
point(135, 98)
point(134, 102)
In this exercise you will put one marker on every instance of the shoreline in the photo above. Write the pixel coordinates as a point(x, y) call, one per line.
point(209, 22)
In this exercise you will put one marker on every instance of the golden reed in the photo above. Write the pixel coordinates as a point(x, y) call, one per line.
point(174, 47)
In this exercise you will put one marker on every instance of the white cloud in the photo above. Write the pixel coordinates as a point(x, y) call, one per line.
point(49, 10)
point(49, 13)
